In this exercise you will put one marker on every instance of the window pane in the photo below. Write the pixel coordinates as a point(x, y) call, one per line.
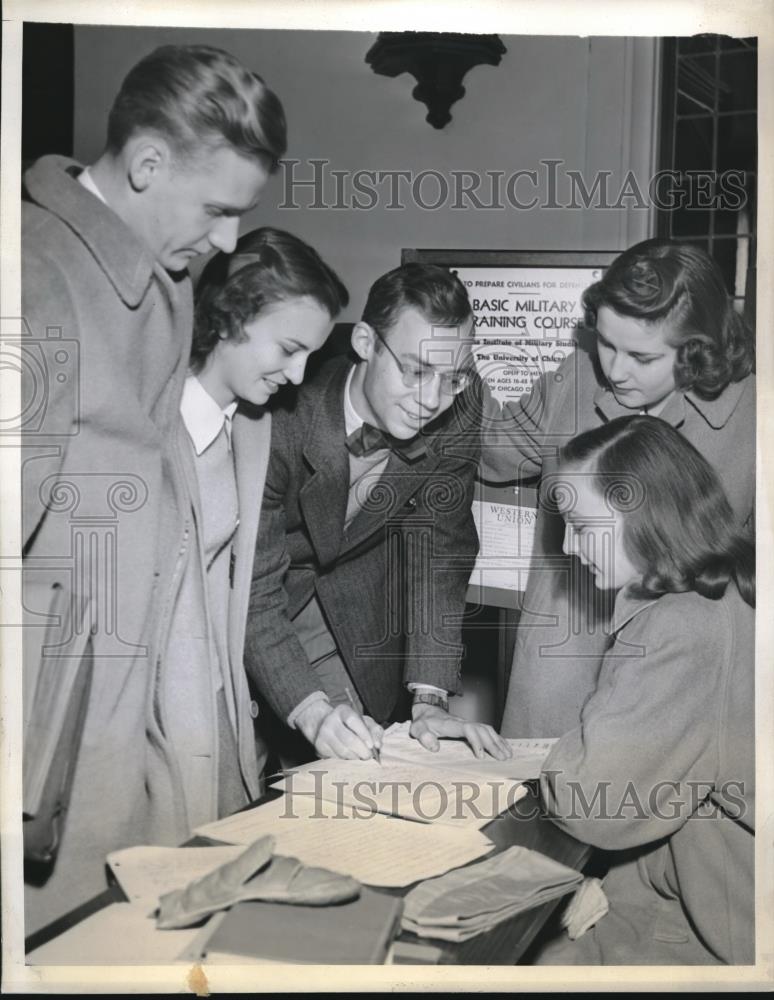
point(741, 218)
point(696, 82)
point(731, 254)
point(737, 142)
point(704, 244)
point(687, 105)
point(727, 222)
point(709, 125)
point(693, 144)
point(690, 222)
point(738, 80)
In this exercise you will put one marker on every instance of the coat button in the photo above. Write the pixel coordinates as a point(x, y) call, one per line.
point(254, 709)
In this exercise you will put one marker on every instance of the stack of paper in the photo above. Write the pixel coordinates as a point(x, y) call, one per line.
point(471, 900)
point(450, 785)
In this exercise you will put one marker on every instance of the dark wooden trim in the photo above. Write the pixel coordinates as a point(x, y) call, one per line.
point(48, 86)
point(510, 258)
point(666, 131)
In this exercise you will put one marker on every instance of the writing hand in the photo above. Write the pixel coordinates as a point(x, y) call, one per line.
point(339, 732)
point(430, 722)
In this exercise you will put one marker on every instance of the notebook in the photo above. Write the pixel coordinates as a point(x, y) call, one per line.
point(354, 933)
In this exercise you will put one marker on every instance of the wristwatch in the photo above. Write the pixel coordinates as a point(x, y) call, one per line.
point(429, 698)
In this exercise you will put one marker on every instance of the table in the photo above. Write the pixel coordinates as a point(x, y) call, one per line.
point(523, 825)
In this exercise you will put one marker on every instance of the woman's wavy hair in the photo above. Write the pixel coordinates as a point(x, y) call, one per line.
point(268, 266)
point(682, 532)
point(662, 280)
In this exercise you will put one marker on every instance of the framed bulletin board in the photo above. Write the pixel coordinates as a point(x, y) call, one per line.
point(527, 313)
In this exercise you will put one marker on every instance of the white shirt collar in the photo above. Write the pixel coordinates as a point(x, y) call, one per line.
point(202, 416)
point(352, 419)
point(85, 178)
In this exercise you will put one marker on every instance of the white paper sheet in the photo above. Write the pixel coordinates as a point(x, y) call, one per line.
point(375, 849)
point(506, 535)
point(404, 788)
point(146, 873)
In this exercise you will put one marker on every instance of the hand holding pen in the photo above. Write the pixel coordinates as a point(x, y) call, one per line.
point(341, 731)
point(376, 752)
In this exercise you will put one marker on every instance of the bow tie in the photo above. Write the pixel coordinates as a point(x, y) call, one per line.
point(367, 439)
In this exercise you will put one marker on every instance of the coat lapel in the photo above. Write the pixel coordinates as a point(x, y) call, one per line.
point(251, 440)
point(397, 484)
point(323, 498)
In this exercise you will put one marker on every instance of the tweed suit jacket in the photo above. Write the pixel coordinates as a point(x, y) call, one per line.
point(392, 586)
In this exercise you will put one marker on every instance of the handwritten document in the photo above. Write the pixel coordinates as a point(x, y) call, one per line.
point(428, 794)
point(145, 873)
point(377, 850)
point(275, 818)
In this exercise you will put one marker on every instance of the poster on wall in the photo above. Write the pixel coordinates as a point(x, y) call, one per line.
point(527, 310)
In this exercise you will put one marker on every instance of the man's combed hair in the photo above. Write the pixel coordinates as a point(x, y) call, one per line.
point(679, 284)
point(683, 534)
point(435, 291)
point(199, 97)
point(268, 266)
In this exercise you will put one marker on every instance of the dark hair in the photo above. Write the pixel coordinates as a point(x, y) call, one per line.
point(663, 280)
point(678, 524)
point(267, 266)
point(198, 96)
point(435, 291)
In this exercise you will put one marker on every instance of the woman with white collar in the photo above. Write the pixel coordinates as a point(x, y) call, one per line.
point(260, 313)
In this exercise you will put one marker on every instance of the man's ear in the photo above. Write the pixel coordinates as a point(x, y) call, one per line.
point(148, 158)
point(363, 340)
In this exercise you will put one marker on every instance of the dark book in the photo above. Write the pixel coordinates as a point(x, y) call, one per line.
point(354, 933)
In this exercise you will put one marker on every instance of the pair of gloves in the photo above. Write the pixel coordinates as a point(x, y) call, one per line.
point(255, 874)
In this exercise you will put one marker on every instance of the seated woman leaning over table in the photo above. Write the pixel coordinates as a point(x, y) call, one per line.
point(661, 768)
point(260, 313)
point(667, 341)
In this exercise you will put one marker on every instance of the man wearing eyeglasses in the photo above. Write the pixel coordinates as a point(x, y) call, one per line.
point(367, 538)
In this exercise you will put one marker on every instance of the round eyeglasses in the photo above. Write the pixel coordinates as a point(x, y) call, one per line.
point(452, 383)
